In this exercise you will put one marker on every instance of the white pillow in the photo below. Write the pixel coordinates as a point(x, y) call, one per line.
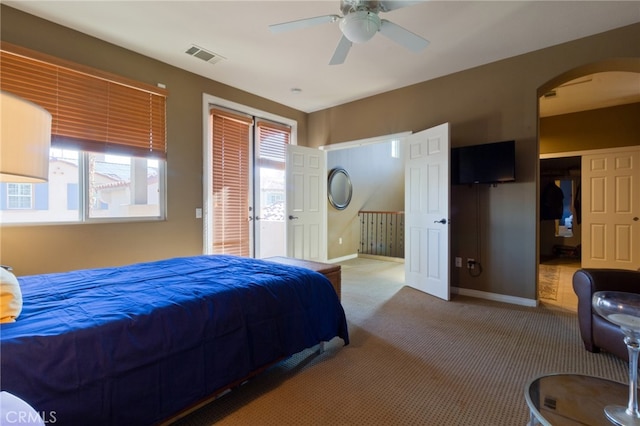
point(10, 297)
point(13, 410)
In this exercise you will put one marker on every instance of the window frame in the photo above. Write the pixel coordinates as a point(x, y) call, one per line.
point(83, 211)
point(20, 196)
point(85, 201)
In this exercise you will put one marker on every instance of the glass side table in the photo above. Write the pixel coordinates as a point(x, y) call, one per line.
point(572, 399)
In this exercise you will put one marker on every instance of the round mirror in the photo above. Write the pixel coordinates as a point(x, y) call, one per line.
point(339, 188)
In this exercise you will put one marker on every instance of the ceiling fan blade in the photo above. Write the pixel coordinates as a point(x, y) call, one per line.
point(386, 6)
point(402, 36)
point(302, 23)
point(341, 51)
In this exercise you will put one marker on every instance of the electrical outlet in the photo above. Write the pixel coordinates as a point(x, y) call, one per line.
point(458, 262)
point(340, 240)
point(471, 263)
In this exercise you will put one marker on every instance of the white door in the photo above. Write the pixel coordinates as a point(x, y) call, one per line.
point(427, 188)
point(306, 211)
point(611, 210)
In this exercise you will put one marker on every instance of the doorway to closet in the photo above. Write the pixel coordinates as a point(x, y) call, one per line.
point(560, 230)
point(590, 115)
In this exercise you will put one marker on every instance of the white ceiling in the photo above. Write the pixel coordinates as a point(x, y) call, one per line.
point(463, 34)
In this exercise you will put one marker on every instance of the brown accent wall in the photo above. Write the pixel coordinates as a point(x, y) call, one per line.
point(499, 101)
point(52, 248)
point(595, 129)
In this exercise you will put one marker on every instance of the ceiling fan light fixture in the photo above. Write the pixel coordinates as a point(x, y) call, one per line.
point(360, 26)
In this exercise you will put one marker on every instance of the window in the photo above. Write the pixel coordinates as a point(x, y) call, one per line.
point(275, 198)
point(19, 195)
point(88, 187)
point(121, 186)
point(395, 148)
point(108, 142)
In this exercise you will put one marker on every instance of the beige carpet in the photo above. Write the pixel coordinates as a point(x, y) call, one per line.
point(415, 360)
point(549, 278)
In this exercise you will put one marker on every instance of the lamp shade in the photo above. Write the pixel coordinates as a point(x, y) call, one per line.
point(360, 26)
point(25, 137)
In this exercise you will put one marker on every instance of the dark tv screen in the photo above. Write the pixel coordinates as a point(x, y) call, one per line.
point(486, 163)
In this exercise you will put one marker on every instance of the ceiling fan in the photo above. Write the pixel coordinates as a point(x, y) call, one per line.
point(359, 23)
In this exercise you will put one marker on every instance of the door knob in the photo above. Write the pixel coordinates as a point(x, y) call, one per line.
point(442, 221)
point(292, 217)
point(635, 219)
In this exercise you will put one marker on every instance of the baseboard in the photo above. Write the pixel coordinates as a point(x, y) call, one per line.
point(342, 259)
point(385, 258)
point(454, 290)
point(495, 297)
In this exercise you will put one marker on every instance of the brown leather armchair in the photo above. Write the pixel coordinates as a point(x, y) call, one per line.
point(598, 333)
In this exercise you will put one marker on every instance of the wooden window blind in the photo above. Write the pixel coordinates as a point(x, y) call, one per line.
point(91, 110)
point(272, 143)
point(231, 161)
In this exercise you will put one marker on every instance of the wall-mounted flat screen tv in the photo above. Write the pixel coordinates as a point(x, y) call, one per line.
point(486, 163)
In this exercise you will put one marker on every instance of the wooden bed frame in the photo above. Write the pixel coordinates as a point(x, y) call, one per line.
point(331, 271)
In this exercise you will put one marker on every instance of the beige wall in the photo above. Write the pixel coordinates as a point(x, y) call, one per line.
point(382, 190)
point(494, 102)
point(39, 249)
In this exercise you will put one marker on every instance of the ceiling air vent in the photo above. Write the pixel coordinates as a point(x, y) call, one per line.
point(204, 54)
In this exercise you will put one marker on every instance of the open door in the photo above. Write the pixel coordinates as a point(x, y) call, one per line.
point(306, 211)
point(427, 189)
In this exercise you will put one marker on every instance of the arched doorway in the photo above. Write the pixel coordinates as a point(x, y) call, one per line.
point(559, 253)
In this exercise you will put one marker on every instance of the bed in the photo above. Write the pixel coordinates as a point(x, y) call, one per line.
point(140, 343)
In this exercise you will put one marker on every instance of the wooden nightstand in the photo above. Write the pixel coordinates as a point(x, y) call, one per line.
point(332, 272)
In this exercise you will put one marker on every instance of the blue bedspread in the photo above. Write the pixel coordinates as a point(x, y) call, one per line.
point(136, 344)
